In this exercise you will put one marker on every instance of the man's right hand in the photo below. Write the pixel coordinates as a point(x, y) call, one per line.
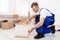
point(27, 21)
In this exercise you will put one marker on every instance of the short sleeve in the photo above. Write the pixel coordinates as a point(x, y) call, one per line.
point(43, 13)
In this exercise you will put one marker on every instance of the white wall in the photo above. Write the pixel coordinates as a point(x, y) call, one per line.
point(4, 8)
point(7, 7)
point(4, 5)
point(23, 6)
point(12, 6)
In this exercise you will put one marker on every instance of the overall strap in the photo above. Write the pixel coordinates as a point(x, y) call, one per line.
point(49, 12)
point(46, 9)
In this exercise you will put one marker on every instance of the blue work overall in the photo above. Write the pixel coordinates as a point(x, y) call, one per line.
point(49, 20)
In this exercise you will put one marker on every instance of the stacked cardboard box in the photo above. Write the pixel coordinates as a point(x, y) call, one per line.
point(9, 23)
point(15, 16)
point(23, 20)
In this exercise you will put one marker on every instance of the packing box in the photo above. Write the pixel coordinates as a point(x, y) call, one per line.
point(7, 24)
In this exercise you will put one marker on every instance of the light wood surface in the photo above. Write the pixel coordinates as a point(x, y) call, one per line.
point(23, 36)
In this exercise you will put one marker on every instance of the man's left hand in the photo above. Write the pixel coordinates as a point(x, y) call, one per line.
point(30, 30)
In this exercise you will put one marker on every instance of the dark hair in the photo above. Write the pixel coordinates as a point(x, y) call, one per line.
point(34, 4)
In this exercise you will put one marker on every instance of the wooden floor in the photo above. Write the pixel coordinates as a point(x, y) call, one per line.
point(21, 30)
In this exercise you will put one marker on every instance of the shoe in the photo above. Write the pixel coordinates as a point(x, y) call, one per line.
point(39, 35)
point(58, 30)
point(53, 29)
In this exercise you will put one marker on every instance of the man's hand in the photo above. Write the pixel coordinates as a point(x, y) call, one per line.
point(30, 30)
point(27, 21)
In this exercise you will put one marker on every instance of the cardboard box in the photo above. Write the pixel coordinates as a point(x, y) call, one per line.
point(23, 18)
point(15, 16)
point(7, 25)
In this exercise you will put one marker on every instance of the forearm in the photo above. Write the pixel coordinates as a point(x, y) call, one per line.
point(40, 23)
point(37, 25)
point(31, 17)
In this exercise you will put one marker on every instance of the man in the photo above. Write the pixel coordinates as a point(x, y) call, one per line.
point(42, 19)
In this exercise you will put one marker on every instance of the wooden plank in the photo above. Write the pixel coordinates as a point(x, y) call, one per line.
point(23, 36)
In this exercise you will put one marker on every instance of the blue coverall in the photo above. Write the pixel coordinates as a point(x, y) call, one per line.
point(49, 20)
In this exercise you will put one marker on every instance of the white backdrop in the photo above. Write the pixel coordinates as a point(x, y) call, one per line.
point(23, 6)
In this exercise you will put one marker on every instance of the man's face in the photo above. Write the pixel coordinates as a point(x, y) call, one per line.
point(35, 9)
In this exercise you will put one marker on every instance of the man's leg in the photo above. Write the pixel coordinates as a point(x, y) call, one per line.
point(49, 22)
point(44, 29)
point(53, 29)
point(50, 30)
point(40, 33)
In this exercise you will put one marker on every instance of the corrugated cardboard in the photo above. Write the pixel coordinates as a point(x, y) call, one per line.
point(7, 25)
point(15, 16)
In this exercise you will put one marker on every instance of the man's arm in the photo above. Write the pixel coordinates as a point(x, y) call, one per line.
point(40, 23)
point(31, 17)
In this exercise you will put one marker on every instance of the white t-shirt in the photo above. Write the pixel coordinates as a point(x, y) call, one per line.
point(44, 13)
